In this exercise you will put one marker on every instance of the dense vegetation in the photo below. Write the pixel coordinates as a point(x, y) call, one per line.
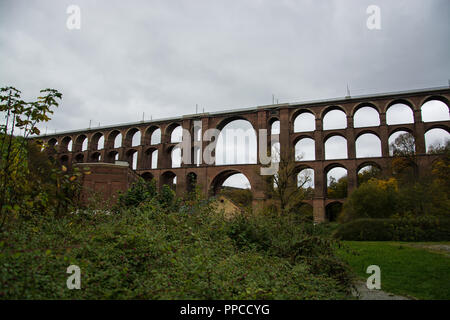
point(404, 206)
point(149, 252)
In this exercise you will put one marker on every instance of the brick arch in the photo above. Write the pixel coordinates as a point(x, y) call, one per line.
point(64, 160)
point(366, 163)
point(302, 135)
point(222, 122)
point(438, 126)
point(110, 156)
point(77, 144)
point(147, 176)
point(65, 144)
point(93, 144)
point(404, 101)
point(79, 158)
point(52, 142)
point(333, 133)
point(148, 134)
point(299, 111)
point(168, 131)
point(367, 131)
point(400, 128)
point(335, 164)
point(331, 108)
point(111, 136)
point(95, 157)
point(129, 134)
point(219, 179)
point(270, 122)
point(364, 104)
point(167, 178)
point(147, 154)
point(330, 203)
point(435, 97)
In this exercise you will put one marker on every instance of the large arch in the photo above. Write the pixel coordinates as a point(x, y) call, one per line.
point(133, 137)
point(368, 145)
point(366, 115)
point(435, 110)
point(218, 181)
point(336, 181)
point(79, 158)
point(66, 144)
point(147, 176)
point(399, 112)
point(366, 171)
point(96, 157)
point(333, 210)
point(174, 132)
point(305, 149)
point(396, 134)
point(175, 156)
point(112, 156)
point(132, 158)
point(436, 138)
point(243, 146)
point(305, 178)
point(304, 121)
point(274, 126)
point(336, 147)
point(97, 141)
point(114, 139)
point(151, 158)
point(152, 135)
point(81, 143)
point(334, 118)
point(168, 178)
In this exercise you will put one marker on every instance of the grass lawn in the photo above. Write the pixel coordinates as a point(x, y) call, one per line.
point(405, 270)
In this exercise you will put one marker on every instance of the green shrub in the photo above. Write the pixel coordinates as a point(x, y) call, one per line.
point(373, 199)
point(140, 191)
point(139, 253)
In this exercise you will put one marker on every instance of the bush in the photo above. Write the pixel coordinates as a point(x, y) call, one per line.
point(373, 199)
point(140, 191)
point(405, 228)
point(140, 253)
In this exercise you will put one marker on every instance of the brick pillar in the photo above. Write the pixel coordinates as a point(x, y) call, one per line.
point(350, 137)
point(319, 182)
point(181, 183)
point(187, 142)
point(262, 124)
point(319, 210)
point(318, 140)
point(285, 129)
point(384, 135)
point(352, 177)
point(419, 132)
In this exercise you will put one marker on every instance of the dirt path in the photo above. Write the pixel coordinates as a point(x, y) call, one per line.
point(362, 293)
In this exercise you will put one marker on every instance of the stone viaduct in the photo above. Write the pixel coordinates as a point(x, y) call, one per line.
point(211, 177)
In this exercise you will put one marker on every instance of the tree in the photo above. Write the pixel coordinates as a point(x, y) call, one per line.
point(284, 187)
point(23, 117)
point(405, 157)
point(337, 188)
point(373, 199)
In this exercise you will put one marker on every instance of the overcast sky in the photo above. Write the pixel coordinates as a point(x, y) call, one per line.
point(164, 57)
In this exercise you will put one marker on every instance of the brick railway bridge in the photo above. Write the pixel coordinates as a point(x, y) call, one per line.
point(154, 155)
